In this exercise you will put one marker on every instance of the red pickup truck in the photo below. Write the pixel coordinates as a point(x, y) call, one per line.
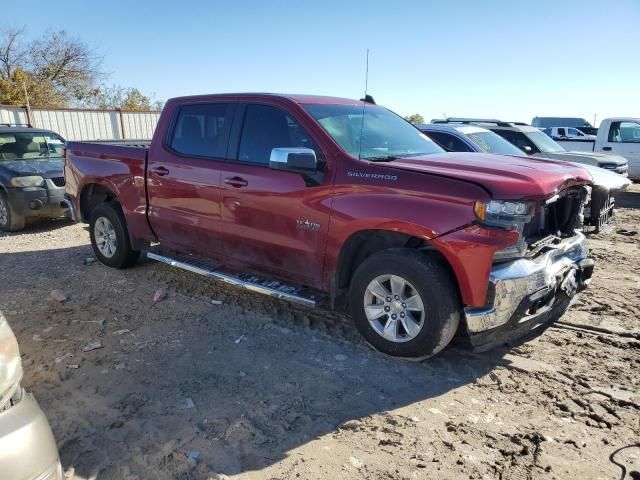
point(313, 198)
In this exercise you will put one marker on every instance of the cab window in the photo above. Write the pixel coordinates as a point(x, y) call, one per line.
point(202, 130)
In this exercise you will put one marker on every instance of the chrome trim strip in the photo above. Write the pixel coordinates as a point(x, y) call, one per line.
point(254, 287)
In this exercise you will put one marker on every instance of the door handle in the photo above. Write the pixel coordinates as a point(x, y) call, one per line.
point(606, 149)
point(236, 182)
point(161, 171)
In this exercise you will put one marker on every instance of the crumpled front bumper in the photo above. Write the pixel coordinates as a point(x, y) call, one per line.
point(529, 292)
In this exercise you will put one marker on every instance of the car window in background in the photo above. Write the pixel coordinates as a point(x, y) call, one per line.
point(518, 139)
point(380, 133)
point(624, 132)
point(489, 142)
point(575, 132)
point(266, 128)
point(547, 131)
point(202, 130)
point(562, 132)
point(30, 145)
point(544, 143)
point(448, 141)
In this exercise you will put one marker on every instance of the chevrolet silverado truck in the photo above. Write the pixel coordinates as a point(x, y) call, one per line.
point(342, 203)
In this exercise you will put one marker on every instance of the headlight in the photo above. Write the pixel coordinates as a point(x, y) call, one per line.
point(508, 215)
point(10, 363)
point(502, 213)
point(32, 181)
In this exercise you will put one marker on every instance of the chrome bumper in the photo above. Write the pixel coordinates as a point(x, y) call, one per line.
point(528, 288)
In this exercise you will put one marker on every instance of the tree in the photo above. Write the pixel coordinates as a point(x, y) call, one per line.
point(416, 118)
point(58, 70)
point(115, 97)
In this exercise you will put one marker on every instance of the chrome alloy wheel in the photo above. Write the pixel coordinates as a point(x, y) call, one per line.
point(105, 236)
point(4, 212)
point(394, 308)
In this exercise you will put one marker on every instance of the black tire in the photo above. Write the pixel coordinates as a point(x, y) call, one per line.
point(10, 221)
point(123, 255)
point(431, 279)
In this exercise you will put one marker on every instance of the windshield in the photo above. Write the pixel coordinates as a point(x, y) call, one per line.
point(489, 142)
point(544, 143)
point(382, 136)
point(30, 146)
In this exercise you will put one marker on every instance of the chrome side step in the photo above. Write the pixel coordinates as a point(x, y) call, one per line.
point(232, 280)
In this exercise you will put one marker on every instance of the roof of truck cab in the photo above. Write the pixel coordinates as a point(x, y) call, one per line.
point(297, 98)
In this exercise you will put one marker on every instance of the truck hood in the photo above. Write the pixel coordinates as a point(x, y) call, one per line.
point(591, 158)
point(10, 362)
point(506, 177)
point(47, 167)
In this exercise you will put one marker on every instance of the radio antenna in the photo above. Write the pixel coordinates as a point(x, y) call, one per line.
point(364, 104)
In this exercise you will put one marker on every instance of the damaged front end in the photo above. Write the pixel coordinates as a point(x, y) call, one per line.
point(532, 282)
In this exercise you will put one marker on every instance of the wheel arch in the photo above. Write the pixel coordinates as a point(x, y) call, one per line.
point(362, 244)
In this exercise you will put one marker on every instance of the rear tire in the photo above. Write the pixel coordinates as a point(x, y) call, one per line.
point(110, 237)
point(9, 220)
point(405, 303)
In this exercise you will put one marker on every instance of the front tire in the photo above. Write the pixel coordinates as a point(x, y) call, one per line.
point(110, 238)
point(9, 220)
point(405, 303)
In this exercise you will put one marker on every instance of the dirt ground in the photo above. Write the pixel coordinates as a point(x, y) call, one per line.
point(255, 388)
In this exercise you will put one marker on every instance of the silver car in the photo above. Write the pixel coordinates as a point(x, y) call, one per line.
point(27, 448)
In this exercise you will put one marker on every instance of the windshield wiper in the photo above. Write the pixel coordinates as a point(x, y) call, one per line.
point(382, 158)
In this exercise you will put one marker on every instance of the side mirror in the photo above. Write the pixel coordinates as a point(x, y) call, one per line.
point(527, 149)
point(300, 159)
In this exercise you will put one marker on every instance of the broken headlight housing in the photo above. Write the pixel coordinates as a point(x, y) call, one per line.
point(506, 215)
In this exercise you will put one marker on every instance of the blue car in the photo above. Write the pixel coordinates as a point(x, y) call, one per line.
point(31, 175)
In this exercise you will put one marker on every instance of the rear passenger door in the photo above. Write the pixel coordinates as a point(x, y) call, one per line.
point(273, 220)
point(184, 178)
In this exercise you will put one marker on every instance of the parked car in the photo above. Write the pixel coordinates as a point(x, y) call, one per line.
point(27, 448)
point(472, 138)
point(344, 202)
point(31, 175)
point(579, 123)
point(533, 142)
point(567, 133)
point(619, 136)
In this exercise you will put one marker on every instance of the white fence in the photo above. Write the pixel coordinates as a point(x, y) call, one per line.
point(78, 124)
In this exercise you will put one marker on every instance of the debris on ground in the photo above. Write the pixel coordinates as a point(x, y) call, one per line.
point(93, 345)
point(89, 261)
point(160, 295)
point(122, 331)
point(186, 404)
point(63, 357)
point(216, 302)
point(240, 338)
point(59, 296)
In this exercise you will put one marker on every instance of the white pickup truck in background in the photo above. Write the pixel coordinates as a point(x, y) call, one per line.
point(620, 136)
point(567, 133)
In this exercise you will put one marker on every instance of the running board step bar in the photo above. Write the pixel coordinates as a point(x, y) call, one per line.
point(192, 264)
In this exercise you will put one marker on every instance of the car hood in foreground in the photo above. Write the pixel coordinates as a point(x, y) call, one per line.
point(47, 167)
point(506, 177)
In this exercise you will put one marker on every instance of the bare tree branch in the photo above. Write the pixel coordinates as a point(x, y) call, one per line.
point(12, 52)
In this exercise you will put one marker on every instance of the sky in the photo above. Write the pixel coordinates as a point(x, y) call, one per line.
point(503, 59)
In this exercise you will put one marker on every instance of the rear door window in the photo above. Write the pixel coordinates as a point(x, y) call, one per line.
point(202, 130)
point(518, 139)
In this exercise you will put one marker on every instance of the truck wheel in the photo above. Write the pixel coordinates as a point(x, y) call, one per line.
point(9, 220)
point(109, 236)
point(405, 303)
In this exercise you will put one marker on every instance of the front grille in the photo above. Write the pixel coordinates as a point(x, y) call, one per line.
point(58, 181)
point(559, 218)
